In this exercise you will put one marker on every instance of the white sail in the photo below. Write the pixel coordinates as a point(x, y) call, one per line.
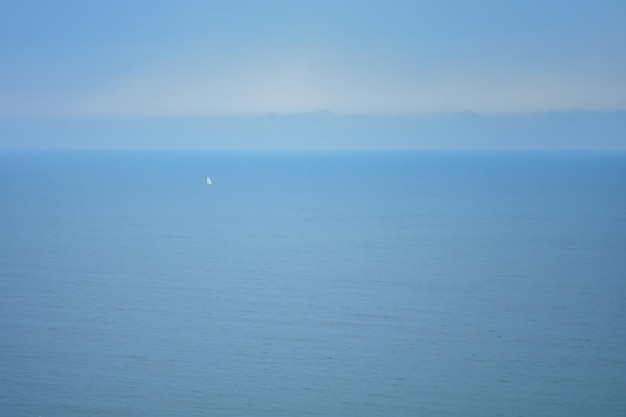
point(208, 180)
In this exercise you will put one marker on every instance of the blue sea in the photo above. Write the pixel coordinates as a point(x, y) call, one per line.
point(312, 284)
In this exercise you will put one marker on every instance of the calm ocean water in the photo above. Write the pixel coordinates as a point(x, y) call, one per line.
point(340, 284)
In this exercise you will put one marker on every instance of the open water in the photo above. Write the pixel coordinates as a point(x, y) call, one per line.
point(312, 284)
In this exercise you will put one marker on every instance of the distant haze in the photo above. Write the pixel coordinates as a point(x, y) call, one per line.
point(242, 74)
point(324, 130)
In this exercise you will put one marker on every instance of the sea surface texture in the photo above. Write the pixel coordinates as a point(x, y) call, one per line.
point(312, 284)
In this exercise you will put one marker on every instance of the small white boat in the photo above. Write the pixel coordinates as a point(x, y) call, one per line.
point(208, 180)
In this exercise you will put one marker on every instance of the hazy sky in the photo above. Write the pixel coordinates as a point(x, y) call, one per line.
point(148, 58)
point(138, 58)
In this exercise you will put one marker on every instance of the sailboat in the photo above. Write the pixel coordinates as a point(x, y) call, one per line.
point(208, 180)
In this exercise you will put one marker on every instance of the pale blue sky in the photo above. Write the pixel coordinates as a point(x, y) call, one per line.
point(76, 59)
